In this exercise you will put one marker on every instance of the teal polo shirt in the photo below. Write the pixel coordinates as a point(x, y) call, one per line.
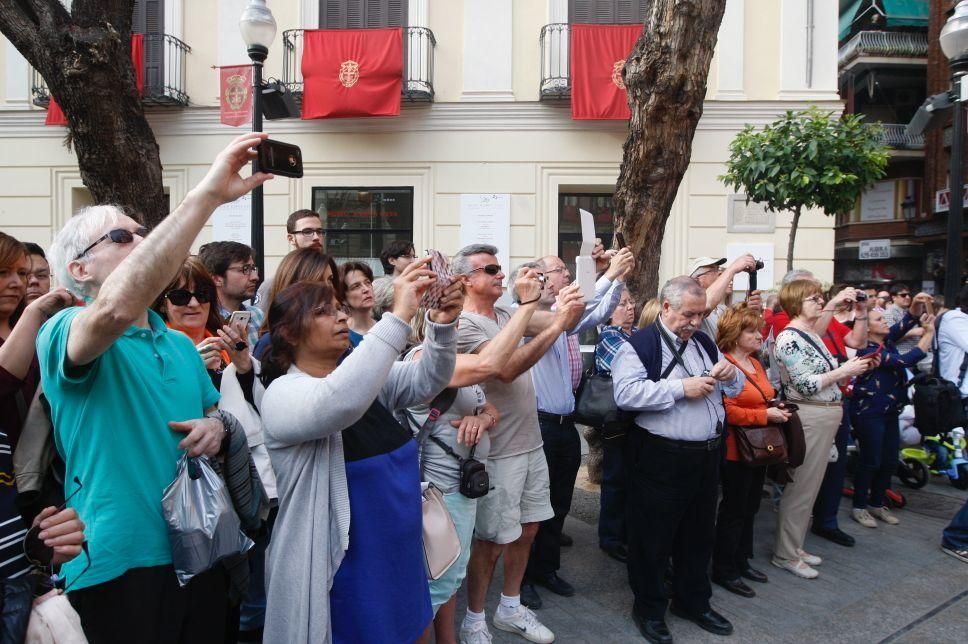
point(111, 428)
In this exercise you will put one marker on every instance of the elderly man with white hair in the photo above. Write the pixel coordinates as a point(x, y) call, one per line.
point(128, 397)
point(673, 376)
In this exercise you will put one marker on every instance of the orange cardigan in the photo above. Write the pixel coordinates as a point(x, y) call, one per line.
point(748, 409)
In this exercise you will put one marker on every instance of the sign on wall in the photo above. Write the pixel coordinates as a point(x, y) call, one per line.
point(752, 217)
point(877, 202)
point(233, 221)
point(875, 249)
point(486, 219)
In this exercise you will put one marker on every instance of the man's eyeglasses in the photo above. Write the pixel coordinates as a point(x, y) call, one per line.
point(245, 269)
point(556, 270)
point(331, 309)
point(490, 269)
point(182, 296)
point(308, 233)
point(117, 236)
point(41, 555)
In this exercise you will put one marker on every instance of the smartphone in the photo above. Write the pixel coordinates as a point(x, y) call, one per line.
point(240, 319)
point(441, 268)
point(788, 406)
point(877, 352)
point(620, 240)
point(284, 159)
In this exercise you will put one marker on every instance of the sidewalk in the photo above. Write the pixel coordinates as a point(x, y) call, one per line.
point(895, 585)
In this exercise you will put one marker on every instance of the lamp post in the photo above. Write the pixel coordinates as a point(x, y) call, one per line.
point(258, 29)
point(954, 44)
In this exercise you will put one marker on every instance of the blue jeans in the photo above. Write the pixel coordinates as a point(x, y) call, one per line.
point(878, 440)
point(955, 536)
point(828, 498)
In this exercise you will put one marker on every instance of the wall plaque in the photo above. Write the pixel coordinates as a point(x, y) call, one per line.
point(748, 218)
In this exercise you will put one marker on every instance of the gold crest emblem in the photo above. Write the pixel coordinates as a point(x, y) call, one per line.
point(617, 74)
point(349, 73)
point(236, 91)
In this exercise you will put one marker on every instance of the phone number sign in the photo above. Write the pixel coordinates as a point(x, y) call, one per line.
point(875, 249)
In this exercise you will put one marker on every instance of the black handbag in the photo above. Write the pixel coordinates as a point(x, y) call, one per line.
point(595, 405)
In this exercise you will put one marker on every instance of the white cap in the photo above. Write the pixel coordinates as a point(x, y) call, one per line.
point(702, 262)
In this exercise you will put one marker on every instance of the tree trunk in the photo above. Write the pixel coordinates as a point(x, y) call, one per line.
point(793, 238)
point(665, 77)
point(86, 60)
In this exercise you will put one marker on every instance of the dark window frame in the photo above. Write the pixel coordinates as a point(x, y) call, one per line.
point(613, 12)
point(362, 14)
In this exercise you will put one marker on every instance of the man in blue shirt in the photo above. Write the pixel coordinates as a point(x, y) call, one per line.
point(127, 398)
point(674, 377)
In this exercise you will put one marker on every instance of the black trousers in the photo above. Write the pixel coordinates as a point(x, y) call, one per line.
point(147, 605)
point(742, 490)
point(562, 448)
point(672, 495)
point(611, 517)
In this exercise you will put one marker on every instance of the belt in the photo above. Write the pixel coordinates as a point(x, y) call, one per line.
point(705, 446)
point(560, 419)
point(818, 403)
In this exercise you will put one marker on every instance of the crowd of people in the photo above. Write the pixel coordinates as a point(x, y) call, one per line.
point(343, 396)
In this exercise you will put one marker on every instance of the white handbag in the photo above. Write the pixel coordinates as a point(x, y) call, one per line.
point(440, 541)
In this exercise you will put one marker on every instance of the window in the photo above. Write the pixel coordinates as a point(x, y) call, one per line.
point(361, 14)
point(359, 222)
point(149, 19)
point(569, 222)
point(606, 12)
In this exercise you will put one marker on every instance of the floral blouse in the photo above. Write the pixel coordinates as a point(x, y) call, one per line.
point(802, 365)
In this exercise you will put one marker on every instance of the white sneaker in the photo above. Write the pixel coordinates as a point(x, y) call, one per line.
point(476, 633)
point(798, 568)
point(524, 623)
point(863, 517)
point(884, 515)
point(809, 559)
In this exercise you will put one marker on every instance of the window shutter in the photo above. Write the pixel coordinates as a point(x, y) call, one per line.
point(630, 11)
point(362, 14)
point(606, 11)
point(332, 14)
point(355, 14)
point(148, 18)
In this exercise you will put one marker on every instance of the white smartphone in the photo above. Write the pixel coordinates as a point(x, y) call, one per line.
point(240, 319)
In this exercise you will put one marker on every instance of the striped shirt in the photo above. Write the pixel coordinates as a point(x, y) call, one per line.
point(13, 563)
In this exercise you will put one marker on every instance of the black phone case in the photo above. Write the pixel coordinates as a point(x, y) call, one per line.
point(283, 159)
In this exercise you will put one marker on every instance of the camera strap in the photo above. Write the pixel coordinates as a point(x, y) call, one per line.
point(676, 355)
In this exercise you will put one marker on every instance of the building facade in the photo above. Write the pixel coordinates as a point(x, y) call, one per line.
point(485, 111)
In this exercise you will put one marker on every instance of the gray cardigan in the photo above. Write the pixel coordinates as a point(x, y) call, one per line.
point(303, 417)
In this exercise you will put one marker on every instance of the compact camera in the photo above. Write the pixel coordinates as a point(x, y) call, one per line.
point(861, 296)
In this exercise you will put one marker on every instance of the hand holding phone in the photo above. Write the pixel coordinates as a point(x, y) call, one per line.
point(284, 159)
point(874, 354)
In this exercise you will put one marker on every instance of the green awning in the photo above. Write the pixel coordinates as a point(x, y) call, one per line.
point(898, 13)
point(906, 13)
point(847, 18)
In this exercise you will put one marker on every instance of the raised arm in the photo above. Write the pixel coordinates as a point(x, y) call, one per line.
point(569, 309)
point(131, 288)
point(857, 338)
point(19, 349)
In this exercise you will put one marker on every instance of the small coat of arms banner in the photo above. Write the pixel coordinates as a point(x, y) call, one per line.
point(598, 54)
point(235, 84)
point(352, 72)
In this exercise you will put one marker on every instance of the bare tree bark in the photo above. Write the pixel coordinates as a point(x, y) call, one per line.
point(793, 237)
point(665, 77)
point(85, 57)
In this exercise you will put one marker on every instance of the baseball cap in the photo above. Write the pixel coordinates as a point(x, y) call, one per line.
point(701, 262)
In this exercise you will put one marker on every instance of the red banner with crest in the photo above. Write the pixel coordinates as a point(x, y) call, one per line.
point(56, 116)
point(235, 89)
point(352, 72)
point(598, 55)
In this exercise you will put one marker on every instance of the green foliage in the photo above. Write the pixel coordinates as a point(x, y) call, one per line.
point(807, 159)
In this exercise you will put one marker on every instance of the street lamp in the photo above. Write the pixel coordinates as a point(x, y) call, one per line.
point(258, 29)
point(954, 44)
point(909, 208)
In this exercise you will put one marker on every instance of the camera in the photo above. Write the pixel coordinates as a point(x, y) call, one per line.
point(861, 296)
point(542, 278)
point(758, 265)
point(706, 373)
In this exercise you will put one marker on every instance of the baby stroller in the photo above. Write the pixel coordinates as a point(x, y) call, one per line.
point(943, 454)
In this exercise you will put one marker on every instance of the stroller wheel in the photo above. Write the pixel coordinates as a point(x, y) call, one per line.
point(962, 481)
point(913, 473)
point(895, 499)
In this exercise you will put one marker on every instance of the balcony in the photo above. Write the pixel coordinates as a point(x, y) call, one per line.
point(555, 61)
point(418, 63)
point(894, 135)
point(164, 82)
point(884, 48)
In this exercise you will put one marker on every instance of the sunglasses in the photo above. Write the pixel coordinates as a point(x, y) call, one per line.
point(903, 295)
point(182, 296)
point(117, 236)
point(40, 554)
point(490, 269)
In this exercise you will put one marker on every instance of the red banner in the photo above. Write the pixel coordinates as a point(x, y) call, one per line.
point(55, 115)
point(352, 72)
point(598, 55)
point(235, 84)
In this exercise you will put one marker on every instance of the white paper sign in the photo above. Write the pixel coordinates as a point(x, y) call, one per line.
point(486, 219)
point(233, 221)
point(875, 249)
point(765, 277)
point(877, 202)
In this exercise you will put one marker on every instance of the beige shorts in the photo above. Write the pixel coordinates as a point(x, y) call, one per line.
point(520, 493)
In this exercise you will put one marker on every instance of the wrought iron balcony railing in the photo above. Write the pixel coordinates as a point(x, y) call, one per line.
point(885, 44)
point(555, 69)
point(418, 63)
point(894, 135)
point(164, 71)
